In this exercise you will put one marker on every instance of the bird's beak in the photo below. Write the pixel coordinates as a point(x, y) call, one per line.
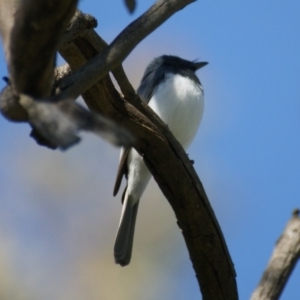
point(199, 65)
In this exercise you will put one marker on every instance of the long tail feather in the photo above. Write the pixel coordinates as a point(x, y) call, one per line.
point(124, 239)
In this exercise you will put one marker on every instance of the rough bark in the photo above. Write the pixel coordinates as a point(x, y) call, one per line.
point(91, 60)
point(30, 32)
point(39, 27)
point(163, 155)
point(112, 56)
point(282, 262)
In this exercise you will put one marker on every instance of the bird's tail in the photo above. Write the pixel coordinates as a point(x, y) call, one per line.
point(124, 239)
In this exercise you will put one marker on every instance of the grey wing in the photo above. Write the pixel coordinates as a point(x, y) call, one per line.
point(146, 88)
point(122, 170)
point(145, 91)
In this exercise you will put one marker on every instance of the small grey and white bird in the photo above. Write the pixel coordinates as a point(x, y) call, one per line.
point(172, 89)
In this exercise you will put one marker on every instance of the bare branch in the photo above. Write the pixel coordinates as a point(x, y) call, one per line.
point(10, 107)
point(282, 262)
point(29, 28)
point(60, 122)
point(38, 28)
point(78, 26)
point(119, 49)
point(201, 231)
point(8, 9)
point(162, 153)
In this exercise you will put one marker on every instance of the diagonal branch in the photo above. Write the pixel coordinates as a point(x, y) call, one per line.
point(60, 122)
point(163, 155)
point(31, 31)
point(283, 260)
point(8, 9)
point(119, 49)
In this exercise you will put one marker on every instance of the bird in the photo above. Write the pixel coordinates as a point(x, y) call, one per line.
point(172, 89)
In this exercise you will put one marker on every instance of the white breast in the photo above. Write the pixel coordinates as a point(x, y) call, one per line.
point(179, 103)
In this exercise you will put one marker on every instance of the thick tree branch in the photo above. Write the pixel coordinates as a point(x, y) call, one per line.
point(8, 9)
point(31, 38)
point(283, 260)
point(60, 122)
point(39, 27)
point(112, 56)
point(163, 155)
point(28, 29)
point(80, 23)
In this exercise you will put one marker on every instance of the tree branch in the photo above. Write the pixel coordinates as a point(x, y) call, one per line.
point(162, 152)
point(163, 155)
point(79, 25)
point(35, 27)
point(8, 9)
point(29, 28)
point(282, 262)
point(112, 56)
point(60, 122)
point(39, 27)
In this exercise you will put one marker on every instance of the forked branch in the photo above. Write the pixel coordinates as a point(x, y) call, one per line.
point(164, 156)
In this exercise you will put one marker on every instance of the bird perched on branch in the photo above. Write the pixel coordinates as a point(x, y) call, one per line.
point(172, 89)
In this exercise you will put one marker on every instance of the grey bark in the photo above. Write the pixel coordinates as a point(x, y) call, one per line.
point(90, 60)
point(282, 262)
point(31, 31)
point(196, 219)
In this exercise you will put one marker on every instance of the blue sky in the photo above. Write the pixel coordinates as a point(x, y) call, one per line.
point(58, 216)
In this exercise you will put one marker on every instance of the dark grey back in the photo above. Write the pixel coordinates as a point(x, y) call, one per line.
point(156, 72)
